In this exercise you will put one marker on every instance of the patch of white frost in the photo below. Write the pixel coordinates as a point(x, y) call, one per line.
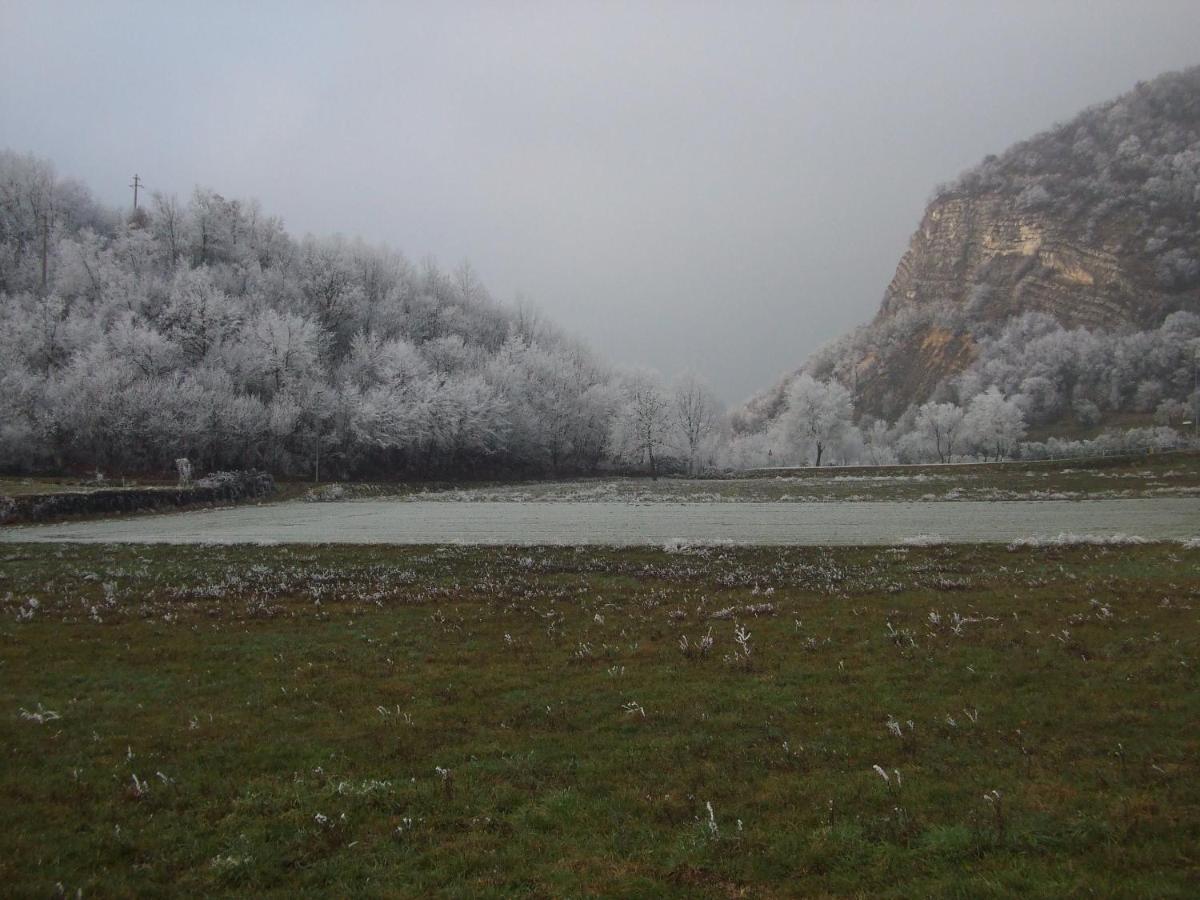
point(924, 540)
point(1079, 540)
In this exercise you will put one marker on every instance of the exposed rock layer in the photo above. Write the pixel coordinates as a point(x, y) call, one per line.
point(1095, 222)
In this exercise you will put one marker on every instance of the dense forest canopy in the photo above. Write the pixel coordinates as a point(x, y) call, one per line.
point(203, 329)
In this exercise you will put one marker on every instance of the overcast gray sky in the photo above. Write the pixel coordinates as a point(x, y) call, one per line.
point(722, 186)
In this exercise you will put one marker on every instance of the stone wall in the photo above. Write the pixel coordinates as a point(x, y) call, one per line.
point(222, 487)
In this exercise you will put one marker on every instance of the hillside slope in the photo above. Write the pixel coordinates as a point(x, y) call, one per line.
point(1095, 223)
point(203, 330)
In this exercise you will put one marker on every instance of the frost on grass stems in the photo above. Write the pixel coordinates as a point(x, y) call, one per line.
point(709, 829)
point(230, 861)
point(407, 823)
point(697, 649)
point(893, 782)
point(900, 637)
point(972, 716)
point(924, 540)
point(325, 822)
point(1067, 539)
point(741, 656)
point(760, 609)
point(742, 637)
point(447, 778)
point(996, 801)
point(713, 831)
point(362, 788)
point(41, 716)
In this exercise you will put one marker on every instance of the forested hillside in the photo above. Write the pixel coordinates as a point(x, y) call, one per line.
point(203, 329)
point(1063, 274)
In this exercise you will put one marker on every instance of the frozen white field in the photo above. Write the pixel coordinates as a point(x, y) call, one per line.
point(623, 523)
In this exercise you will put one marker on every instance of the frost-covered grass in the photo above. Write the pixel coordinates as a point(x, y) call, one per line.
point(1176, 474)
point(1165, 475)
point(1075, 540)
point(710, 721)
point(508, 523)
point(16, 486)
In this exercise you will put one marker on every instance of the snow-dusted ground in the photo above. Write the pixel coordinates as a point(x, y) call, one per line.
point(625, 523)
point(832, 486)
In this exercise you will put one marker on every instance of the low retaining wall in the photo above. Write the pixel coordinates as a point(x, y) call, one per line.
point(222, 487)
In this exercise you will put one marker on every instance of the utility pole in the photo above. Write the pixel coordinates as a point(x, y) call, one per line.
point(135, 184)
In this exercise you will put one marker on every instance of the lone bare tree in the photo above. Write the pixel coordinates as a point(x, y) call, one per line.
point(696, 414)
point(941, 423)
point(644, 426)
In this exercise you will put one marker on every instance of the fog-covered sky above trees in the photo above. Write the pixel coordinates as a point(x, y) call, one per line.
point(715, 186)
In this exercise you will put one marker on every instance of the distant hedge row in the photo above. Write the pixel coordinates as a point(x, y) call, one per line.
point(221, 487)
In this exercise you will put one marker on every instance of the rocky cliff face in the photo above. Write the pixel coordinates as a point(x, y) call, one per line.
point(986, 260)
point(1024, 262)
point(1096, 223)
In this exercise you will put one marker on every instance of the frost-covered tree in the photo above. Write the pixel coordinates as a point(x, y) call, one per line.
point(993, 424)
point(284, 349)
point(642, 428)
point(941, 425)
point(697, 414)
point(817, 416)
point(878, 443)
point(203, 329)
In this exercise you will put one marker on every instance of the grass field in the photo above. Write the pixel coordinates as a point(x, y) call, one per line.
point(366, 721)
point(1162, 475)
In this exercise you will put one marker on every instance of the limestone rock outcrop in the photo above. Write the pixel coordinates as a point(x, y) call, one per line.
point(1095, 222)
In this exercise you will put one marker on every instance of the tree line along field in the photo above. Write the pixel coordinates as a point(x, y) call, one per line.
point(945, 721)
point(1157, 475)
point(204, 330)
